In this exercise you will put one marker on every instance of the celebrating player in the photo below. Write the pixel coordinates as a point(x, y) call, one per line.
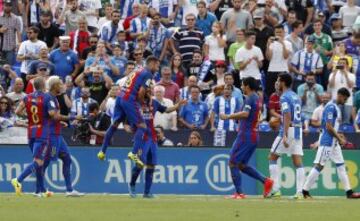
point(289, 140)
point(247, 139)
point(149, 150)
point(128, 105)
point(329, 148)
point(37, 107)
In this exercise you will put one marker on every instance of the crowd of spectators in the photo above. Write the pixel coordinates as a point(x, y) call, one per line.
point(206, 48)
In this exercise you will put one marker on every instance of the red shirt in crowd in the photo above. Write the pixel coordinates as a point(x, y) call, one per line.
point(172, 90)
point(82, 41)
point(274, 103)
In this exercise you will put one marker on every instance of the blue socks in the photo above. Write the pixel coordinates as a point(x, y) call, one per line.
point(148, 179)
point(134, 175)
point(108, 135)
point(66, 171)
point(236, 177)
point(40, 172)
point(33, 167)
point(138, 139)
point(252, 172)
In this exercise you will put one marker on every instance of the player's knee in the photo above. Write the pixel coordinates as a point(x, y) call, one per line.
point(231, 165)
point(40, 162)
point(150, 166)
point(241, 166)
point(141, 125)
point(273, 157)
point(318, 167)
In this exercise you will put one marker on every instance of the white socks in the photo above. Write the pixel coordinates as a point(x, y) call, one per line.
point(300, 179)
point(274, 175)
point(311, 179)
point(343, 177)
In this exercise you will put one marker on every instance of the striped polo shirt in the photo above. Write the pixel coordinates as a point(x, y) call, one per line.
point(188, 42)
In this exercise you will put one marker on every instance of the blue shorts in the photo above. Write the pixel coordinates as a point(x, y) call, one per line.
point(39, 148)
point(149, 153)
point(58, 147)
point(129, 110)
point(241, 151)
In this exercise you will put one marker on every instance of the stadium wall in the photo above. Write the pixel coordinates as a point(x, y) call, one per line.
point(180, 171)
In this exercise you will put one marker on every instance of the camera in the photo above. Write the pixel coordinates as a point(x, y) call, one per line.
point(276, 39)
point(82, 131)
point(339, 67)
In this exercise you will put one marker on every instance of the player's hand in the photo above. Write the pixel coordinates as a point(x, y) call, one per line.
point(314, 146)
point(63, 124)
point(212, 129)
point(223, 116)
point(127, 128)
point(101, 155)
point(342, 141)
point(285, 142)
point(182, 102)
point(357, 131)
point(174, 129)
point(79, 117)
point(192, 127)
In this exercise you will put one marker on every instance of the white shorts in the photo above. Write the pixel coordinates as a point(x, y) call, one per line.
point(324, 153)
point(295, 147)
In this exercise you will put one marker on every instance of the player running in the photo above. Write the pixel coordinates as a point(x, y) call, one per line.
point(329, 148)
point(289, 140)
point(128, 105)
point(247, 139)
point(37, 106)
point(149, 150)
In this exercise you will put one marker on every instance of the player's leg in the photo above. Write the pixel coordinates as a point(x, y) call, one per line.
point(300, 175)
point(234, 170)
point(322, 155)
point(337, 157)
point(151, 161)
point(117, 119)
point(274, 168)
point(136, 170)
point(40, 151)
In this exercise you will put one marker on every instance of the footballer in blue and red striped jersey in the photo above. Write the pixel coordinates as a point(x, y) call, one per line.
point(37, 106)
point(128, 106)
point(148, 150)
point(247, 139)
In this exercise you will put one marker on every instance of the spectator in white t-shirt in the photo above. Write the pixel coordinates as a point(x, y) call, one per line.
point(91, 10)
point(165, 120)
point(249, 58)
point(339, 78)
point(278, 53)
point(107, 17)
point(215, 43)
point(348, 13)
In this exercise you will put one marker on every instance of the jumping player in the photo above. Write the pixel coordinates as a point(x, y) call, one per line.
point(330, 146)
point(247, 139)
point(289, 140)
point(128, 105)
point(149, 150)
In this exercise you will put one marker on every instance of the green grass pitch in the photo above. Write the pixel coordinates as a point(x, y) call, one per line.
point(174, 207)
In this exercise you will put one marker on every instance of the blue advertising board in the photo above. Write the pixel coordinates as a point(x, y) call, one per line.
point(179, 171)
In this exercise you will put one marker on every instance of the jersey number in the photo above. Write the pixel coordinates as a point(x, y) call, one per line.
point(297, 112)
point(34, 114)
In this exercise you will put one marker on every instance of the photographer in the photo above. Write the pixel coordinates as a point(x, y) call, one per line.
point(310, 93)
point(339, 78)
point(99, 122)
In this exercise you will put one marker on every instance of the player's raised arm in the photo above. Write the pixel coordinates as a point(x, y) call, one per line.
point(176, 106)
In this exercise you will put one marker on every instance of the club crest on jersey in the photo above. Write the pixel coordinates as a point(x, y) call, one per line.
point(52, 104)
point(284, 106)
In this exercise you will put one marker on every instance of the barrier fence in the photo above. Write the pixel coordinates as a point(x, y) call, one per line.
point(180, 171)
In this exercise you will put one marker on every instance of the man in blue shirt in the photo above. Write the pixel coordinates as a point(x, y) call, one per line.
point(205, 19)
point(330, 146)
point(65, 60)
point(194, 115)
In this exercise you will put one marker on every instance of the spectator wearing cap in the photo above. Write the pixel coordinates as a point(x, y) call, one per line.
point(220, 71)
point(263, 31)
point(71, 14)
point(158, 37)
point(323, 46)
point(141, 23)
point(235, 18)
point(188, 40)
point(250, 58)
point(304, 10)
point(215, 43)
point(296, 42)
point(40, 71)
point(167, 121)
point(204, 19)
point(6, 76)
point(195, 114)
point(91, 10)
point(79, 39)
point(33, 10)
point(111, 29)
point(29, 50)
point(320, 16)
point(338, 33)
point(49, 31)
point(80, 106)
point(339, 78)
point(65, 59)
point(348, 13)
point(172, 90)
point(119, 60)
point(17, 94)
point(99, 83)
point(278, 53)
point(10, 33)
point(42, 63)
point(305, 61)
